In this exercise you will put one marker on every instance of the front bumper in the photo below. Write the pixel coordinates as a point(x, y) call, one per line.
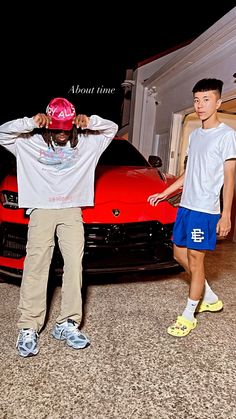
point(109, 248)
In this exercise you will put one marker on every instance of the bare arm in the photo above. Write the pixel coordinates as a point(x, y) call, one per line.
point(156, 198)
point(224, 224)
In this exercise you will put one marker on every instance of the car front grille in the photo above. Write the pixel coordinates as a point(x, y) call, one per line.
point(126, 245)
point(108, 247)
point(127, 235)
point(13, 240)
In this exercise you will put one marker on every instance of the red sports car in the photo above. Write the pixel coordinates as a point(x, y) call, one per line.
point(123, 232)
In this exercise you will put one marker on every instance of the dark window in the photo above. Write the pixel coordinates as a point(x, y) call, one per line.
point(122, 153)
point(7, 163)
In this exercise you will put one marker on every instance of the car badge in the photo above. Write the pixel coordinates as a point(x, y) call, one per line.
point(116, 212)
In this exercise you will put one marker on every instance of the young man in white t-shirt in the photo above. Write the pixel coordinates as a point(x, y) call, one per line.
point(211, 164)
point(56, 154)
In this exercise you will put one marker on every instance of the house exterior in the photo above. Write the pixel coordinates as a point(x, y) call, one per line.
point(161, 110)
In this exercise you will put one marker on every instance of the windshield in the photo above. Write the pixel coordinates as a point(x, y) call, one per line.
point(122, 153)
point(118, 153)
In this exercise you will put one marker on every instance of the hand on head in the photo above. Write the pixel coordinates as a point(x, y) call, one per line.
point(42, 120)
point(81, 121)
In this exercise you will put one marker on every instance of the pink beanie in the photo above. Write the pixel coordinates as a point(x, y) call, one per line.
point(62, 113)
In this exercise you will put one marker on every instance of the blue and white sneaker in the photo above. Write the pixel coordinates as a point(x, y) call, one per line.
point(69, 331)
point(27, 342)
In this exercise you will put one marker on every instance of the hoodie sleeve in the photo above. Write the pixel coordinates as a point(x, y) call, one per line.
point(11, 130)
point(105, 127)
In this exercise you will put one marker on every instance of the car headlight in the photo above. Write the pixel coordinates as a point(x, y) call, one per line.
point(175, 199)
point(9, 199)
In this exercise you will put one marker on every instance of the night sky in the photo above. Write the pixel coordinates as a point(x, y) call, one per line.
point(64, 61)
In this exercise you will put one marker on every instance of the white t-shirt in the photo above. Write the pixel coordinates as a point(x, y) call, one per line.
point(56, 179)
point(204, 177)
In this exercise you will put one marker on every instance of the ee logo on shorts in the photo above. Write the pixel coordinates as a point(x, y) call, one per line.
point(197, 235)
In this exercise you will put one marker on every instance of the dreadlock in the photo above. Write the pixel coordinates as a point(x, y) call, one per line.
point(48, 136)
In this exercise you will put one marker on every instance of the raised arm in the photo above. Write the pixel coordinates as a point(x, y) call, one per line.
point(95, 123)
point(10, 131)
point(13, 129)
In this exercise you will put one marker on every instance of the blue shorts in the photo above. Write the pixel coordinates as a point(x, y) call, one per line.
point(195, 230)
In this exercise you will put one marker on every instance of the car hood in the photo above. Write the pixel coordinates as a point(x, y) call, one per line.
point(9, 183)
point(121, 196)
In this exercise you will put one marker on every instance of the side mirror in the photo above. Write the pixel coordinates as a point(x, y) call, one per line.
point(155, 161)
point(185, 162)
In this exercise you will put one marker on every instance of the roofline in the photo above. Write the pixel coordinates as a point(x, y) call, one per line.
point(163, 53)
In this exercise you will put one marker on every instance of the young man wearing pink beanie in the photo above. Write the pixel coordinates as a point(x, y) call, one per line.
point(57, 153)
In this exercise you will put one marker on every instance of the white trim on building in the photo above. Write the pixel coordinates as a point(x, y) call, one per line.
point(162, 91)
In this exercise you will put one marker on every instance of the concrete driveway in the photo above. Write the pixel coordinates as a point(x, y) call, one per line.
point(133, 368)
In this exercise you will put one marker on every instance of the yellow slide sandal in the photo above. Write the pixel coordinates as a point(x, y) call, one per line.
point(182, 327)
point(213, 307)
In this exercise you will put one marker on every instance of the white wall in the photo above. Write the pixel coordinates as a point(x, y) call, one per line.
point(168, 90)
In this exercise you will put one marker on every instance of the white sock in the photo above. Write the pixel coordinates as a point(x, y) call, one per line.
point(209, 296)
point(189, 310)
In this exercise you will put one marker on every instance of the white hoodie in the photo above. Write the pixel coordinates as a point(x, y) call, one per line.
point(56, 179)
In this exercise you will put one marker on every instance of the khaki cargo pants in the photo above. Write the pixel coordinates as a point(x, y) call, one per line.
point(67, 224)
